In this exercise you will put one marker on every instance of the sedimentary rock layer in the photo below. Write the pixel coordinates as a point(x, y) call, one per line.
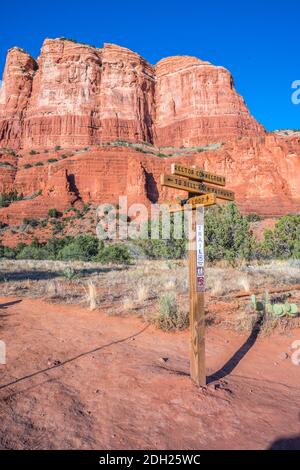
point(80, 95)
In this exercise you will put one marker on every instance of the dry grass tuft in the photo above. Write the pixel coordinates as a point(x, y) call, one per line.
point(128, 304)
point(142, 293)
point(91, 295)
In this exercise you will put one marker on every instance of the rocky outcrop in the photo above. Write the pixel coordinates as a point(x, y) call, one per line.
point(15, 93)
point(196, 104)
point(83, 99)
point(77, 95)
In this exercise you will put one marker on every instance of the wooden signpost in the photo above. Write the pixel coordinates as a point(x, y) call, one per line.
point(194, 182)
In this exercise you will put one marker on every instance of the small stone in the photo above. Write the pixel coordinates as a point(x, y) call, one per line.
point(283, 356)
point(164, 359)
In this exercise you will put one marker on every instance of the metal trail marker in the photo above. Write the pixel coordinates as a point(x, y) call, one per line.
point(194, 183)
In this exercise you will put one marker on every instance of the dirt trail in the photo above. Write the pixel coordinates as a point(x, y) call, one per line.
point(126, 396)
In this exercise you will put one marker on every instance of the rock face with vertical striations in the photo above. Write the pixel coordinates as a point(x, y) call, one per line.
point(196, 104)
point(95, 104)
point(80, 95)
point(15, 94)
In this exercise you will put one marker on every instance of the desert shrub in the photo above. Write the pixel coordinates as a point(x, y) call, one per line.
point(86, 208)
point(39, 164)
point(43, 223)
point(118, 254)
point(53, 213)
point(227, 234)
point(52, 160)
point(7, 165)
point(7, 198)
point(253, 217)
point(170, 317)
point(33, 251)
point(32, 222)
point(27, 166)
point(172, 248)
point(82, 248)
point(33, 152)
point(284, 240)
point(55, 245)
point(57, 148)
point(3, 225)
point(8, 253)
point(57, 226)
point(69, 273)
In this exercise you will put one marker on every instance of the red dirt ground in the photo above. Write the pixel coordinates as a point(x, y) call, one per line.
point(126, 395)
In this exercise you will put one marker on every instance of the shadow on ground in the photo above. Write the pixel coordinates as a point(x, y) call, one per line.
point(44, 275)
point(233, 362)
point(290, 443)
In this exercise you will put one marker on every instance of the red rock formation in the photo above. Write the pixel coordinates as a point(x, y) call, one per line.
point(14, 96)
point(78, 96)
point(196, 104)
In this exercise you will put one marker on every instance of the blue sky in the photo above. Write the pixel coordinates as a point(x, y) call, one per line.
point(258, 41)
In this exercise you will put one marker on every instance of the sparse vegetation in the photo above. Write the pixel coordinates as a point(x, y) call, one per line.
point(53, 213)
point(170, 316)
point(7, 198)
point(283, 241)
point(32, 222)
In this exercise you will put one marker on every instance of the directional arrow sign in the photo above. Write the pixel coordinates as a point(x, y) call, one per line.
point(195, 187)
point(197, 174)
point(205, 200)
point(195, 202)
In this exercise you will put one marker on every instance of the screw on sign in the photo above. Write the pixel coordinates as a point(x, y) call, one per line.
point(201, 195)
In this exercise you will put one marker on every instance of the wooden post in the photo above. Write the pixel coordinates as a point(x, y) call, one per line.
point(197, 311)
point(193, 180)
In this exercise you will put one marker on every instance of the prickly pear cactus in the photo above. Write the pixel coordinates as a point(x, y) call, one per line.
point(278, 310)
point(294, 310)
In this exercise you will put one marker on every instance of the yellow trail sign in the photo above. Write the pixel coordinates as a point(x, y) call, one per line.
point(205, 200)
point(193, 203)
point(197, 174)
point(195, 187)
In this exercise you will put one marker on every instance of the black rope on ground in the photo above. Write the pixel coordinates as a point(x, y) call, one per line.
point(72, 359)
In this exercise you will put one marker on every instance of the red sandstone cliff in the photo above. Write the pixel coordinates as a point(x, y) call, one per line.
point(77, 96)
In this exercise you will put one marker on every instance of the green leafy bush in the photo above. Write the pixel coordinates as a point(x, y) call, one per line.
point(114, 254)
point(82, 248)
point(9, 253)
point(283, 241)
point(159, 248)
point(53, 213)
point(7, 198)
point(33, 251)
point(227, 234)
